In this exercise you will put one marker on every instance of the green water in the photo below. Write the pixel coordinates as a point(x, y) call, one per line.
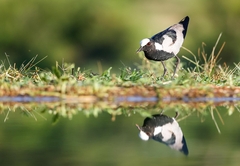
point(28, 141)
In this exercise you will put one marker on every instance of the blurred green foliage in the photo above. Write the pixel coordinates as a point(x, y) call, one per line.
point(81, 31)
point(90, 31)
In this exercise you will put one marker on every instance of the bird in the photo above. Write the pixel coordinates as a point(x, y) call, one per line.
point(166, 44)
point(164, 129)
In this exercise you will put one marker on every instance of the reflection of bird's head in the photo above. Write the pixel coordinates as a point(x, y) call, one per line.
point(145, 132)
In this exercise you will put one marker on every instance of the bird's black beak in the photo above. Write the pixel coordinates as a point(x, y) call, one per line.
point(139, 128)
point(139, 50)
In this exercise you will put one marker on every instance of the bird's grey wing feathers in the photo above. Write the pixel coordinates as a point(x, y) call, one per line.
point(166, 33)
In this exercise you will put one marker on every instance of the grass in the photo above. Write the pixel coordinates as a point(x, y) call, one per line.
point(92, 93)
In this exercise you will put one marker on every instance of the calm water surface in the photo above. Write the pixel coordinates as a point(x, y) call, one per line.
point(100, 141)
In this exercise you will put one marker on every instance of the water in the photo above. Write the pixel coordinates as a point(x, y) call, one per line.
point(29, 137)
point(29, 99)
point(22, 98)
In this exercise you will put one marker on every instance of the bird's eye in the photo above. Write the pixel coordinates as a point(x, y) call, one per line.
point(149, 43)
point(149, 134)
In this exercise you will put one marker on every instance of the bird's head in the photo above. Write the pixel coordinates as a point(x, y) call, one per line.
point(146, 45)
point(143, 135)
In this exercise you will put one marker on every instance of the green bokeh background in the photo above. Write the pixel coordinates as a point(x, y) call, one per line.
point(108, 32)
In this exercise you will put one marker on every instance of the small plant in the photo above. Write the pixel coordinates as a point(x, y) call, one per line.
point(127, 74)
point(207, 68)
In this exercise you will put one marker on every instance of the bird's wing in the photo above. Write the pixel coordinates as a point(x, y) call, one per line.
point(159, 36)
point(166, 137)
point(184, 22)
point(172, 35)
point(184, 147)
point(166, 39)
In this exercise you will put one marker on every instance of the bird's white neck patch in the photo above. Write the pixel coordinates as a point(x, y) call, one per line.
point(143, 42)
point(157, 130)
point(143, 136)
point(158, 46)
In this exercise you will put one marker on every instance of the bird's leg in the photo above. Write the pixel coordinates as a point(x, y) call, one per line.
point(164, 69)
point(161, 112)
point(177, 62)
point(176, 116)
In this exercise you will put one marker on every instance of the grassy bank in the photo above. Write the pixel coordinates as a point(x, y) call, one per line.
point(200, 71)
point(201, 77)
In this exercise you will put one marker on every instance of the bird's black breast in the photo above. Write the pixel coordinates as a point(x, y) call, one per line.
point(157, 55)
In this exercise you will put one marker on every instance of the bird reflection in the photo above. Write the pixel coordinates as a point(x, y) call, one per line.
point(164, 129)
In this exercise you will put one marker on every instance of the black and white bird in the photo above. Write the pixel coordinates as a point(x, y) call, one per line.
point(164, 129)
point(165, 44)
